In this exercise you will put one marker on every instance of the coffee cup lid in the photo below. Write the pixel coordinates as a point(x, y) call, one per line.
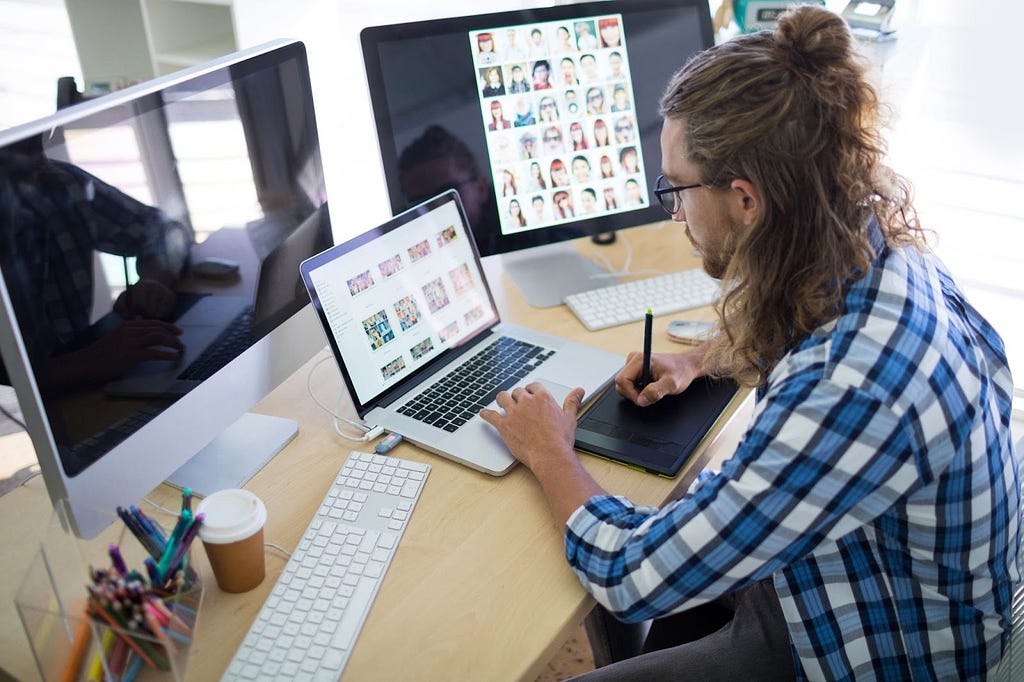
point(230, 515)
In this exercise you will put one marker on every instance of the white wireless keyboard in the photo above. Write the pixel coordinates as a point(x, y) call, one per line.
point(311, 618)
point(621, 303)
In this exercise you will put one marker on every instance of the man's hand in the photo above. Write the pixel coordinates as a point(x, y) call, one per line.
point(133, 342)
point(540, 434)
point(534, 426)
point(671, 374)
point(147, 298)
point(136, 341)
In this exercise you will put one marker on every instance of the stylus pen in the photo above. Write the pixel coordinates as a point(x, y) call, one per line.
point(645, 374)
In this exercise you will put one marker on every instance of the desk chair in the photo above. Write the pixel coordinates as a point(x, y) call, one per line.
point(1011, 667)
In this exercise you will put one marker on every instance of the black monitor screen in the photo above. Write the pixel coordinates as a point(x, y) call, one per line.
point(545, 120)
point(189, 202)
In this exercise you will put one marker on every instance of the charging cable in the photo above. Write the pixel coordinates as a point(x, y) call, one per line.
point(369, 432)
point(609, 271)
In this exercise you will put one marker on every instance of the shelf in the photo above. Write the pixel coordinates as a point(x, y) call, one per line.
point(155, 37)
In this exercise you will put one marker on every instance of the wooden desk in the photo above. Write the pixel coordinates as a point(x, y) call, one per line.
point(480, 588)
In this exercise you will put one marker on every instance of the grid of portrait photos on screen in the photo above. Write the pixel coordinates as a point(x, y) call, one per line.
point(417, 296)
point(557, 104)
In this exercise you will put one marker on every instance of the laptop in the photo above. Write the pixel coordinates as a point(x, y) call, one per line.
point(216, 328)
point(411, 321)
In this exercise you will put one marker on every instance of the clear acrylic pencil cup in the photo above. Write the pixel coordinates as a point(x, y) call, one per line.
point(90, 616)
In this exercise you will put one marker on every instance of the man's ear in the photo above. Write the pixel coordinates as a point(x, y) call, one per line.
point(746, 205)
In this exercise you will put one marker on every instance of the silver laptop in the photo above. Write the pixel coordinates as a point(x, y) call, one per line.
point(413, 326)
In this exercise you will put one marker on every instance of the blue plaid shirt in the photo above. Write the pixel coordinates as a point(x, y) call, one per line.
point(877, 484)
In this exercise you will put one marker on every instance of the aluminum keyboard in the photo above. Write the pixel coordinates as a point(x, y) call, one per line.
point(628, 302)
point(310, 620)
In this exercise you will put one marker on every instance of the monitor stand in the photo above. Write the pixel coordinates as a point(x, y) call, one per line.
point(233, 457)
point(547, 274)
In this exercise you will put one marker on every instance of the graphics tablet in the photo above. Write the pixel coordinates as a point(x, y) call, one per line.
point(659, 438)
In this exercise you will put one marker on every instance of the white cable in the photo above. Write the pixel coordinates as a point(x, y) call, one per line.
point(279, 548)
point(165, 510)
point(605, 264)
point(369, 433)
point(14, 419)
point(32, 475)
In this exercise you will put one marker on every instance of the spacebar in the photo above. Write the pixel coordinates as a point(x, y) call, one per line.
point(350, 623)
point(505, 385)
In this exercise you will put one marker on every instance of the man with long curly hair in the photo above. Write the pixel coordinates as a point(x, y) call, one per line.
point(868, 524)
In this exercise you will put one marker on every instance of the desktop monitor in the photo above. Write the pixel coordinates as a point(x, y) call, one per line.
point(545, 120)
point(198, 192)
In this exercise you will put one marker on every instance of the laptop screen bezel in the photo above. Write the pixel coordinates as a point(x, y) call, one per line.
point(395, 391)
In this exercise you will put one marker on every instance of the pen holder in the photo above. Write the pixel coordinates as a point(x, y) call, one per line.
point(67, 643)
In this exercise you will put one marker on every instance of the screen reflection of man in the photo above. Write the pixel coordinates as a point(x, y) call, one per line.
point(56, 217)
point(437, 161)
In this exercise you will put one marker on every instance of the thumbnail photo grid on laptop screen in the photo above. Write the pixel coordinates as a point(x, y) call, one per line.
point(557, 104)
point(397, 300)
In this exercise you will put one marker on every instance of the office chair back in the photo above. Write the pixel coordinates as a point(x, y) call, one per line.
point(1011, 667)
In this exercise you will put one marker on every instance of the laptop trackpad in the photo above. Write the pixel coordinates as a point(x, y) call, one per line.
point(558, 391)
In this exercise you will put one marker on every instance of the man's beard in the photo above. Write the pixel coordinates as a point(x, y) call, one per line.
point(714, 261)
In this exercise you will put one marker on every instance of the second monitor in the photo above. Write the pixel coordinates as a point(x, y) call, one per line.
point(545, 120)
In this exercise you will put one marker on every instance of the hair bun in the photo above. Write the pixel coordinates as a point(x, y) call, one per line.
point(813, 37)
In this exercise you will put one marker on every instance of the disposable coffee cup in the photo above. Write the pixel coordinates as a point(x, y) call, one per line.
point(232, 535)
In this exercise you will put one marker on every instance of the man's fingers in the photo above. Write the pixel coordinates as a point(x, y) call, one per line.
point(157, 354)
point(536, 388)
point(490, 416)
point(651, 394)
point(143, 326)
point(573, 401)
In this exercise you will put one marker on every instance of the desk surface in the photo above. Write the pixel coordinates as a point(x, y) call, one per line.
point(479, 588)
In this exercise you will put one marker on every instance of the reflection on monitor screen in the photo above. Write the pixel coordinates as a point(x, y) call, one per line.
point(149, 250)
point(545, 120)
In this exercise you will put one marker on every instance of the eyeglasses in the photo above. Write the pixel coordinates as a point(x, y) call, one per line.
point(596, 96)
point(552, 138)
point(668, 196)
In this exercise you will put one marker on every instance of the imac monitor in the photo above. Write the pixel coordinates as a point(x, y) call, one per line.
point(545, 120)
point(189, 201)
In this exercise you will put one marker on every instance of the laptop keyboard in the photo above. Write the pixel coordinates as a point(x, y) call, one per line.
point(457, 397)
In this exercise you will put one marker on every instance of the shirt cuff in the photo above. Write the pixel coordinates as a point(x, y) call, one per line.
point(703, 477)
point(613, 510)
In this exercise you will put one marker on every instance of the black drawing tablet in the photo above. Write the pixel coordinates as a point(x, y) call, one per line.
point(658, 438)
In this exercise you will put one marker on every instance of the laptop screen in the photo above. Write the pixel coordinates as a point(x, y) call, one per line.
point(395, 298)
